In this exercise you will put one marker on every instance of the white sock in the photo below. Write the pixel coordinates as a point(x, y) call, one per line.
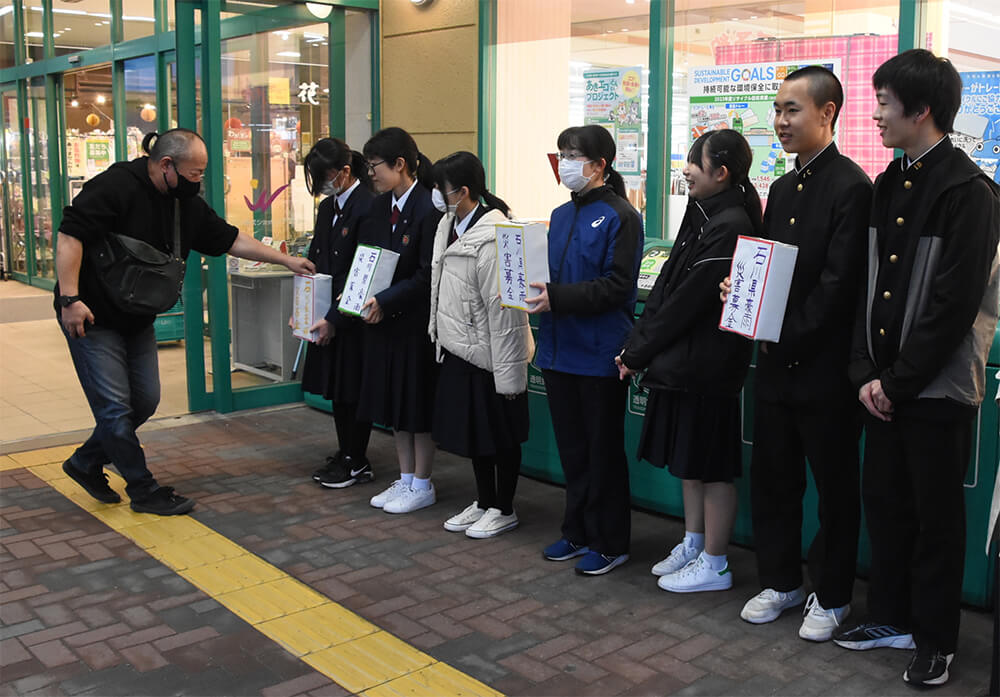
point(421, 484)
point(715, 563)
point(407, 479)
point(695, 540)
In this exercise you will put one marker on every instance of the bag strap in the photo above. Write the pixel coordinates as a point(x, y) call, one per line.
point(176, 251)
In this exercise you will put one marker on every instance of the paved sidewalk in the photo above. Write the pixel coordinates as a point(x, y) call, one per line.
point(85, 611)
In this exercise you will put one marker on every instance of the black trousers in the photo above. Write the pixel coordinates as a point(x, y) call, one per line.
point(588, 417)
point(496, 479)
point(352, 435)
point(995, 674)
point(785, 436)
point(915, 510)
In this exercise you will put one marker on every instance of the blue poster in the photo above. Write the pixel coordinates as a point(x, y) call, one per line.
point(977, 126)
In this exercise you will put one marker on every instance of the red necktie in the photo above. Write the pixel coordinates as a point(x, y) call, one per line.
point(394, 218)
point(453, 236)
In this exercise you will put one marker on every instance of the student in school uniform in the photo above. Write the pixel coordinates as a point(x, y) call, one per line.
point(694, 371)
point(333, 364)
point(923, 333)
point(481, 411)
point(585, 315)
point(399, 373)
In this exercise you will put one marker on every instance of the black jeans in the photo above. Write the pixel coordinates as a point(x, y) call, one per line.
point(914, 497)
point(588, 417)
point(785, 436)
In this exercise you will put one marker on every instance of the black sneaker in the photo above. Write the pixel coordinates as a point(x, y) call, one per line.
point(347, 472)
point(928, 667)
point(163, 501)
point(331, 463)
point(94, 484)
point(872, 635)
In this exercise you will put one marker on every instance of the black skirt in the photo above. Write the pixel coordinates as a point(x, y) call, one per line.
point(334, 370)
point(695, 436)
point(398, 379)
point(470, 418)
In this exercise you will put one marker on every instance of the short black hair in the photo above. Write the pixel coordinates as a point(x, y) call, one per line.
point(823, 87)
point(920, 79)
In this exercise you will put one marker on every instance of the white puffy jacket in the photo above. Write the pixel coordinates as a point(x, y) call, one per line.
point(466, 317)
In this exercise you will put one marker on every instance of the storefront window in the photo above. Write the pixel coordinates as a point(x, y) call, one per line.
point(358, 78)
point(140, 102)
point(14, 183)
point(6, 33)
point(567, 63)
point(41, 194)
point(78, 25)
point(33, 35)
point(138, 19)
point(90, 126)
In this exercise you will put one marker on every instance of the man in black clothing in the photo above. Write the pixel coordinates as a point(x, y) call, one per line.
point(919, 362)
point(804, 406)
point(114, 353)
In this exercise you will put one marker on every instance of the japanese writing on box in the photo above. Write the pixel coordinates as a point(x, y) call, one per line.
point(513, 284)
point(743, 304)
point(356, 290)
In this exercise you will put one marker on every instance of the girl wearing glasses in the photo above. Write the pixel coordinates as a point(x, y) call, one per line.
point(399, 372)
point(585, 314)
point(694, 371)
point(332, 364)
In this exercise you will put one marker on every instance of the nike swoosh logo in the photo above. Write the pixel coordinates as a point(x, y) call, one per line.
point(355, 473)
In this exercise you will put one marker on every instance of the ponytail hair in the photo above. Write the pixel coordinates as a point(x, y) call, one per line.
point(596, 144)
point(359, 168)
point(175, 144)
point(464, 169)
point(393, 143)
point(333, 154)
point(730, 149)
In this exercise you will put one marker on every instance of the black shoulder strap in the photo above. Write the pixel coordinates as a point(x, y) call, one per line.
point(177, 230)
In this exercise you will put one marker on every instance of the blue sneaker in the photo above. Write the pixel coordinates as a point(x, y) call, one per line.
point(563, 550)
point(595, 563)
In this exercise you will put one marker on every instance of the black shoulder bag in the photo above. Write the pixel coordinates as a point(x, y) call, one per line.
point(137, 277)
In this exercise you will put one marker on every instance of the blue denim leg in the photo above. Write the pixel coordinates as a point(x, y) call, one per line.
point(120, 376)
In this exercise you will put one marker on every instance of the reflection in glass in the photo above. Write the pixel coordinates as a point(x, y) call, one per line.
point(90, 126)
point(140, 102)
point(41, 195)
point(14, 183)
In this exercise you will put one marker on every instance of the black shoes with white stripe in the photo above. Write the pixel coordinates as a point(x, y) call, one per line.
point(928, 667)
point(872, 635)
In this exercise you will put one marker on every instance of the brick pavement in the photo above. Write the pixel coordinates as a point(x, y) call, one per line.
point(85, 611)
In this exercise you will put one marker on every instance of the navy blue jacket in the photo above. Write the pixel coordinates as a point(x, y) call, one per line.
point(595, 246)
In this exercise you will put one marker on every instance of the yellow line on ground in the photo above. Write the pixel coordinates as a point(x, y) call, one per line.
point(345, 647)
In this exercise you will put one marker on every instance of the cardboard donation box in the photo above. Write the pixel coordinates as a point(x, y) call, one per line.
point(761, 275)
point(522, 259)
point(371, 273)
point(311, 298)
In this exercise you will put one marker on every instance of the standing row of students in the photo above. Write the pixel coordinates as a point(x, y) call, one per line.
point(440, 362)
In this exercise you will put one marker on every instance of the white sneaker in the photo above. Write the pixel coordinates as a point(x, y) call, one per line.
point(818, 623)
point(394, 490)
point(697, 576)
point(768, 605)
point(462, 521)
point(411, 500)
point(678, 558)
point(492, 524)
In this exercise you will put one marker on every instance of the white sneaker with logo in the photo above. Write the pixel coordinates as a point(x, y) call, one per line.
point(492, 524)
point(410, 500)
point(677, 560)
point(768, 605)
point(697, 576)
point(394, 490)
point(818, 623)
point(460, 522)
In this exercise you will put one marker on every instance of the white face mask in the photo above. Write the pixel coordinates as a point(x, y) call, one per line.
point(571, 174)
point(437, 198)
point(330, 188)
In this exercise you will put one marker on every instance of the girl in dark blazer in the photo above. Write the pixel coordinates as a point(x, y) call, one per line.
point(333, 364)
point(399, 374)
point(694, 370)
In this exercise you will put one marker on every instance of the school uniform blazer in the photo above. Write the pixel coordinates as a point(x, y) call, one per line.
point(406, 303)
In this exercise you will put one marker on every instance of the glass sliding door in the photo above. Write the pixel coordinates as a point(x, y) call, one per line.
point(13, 188)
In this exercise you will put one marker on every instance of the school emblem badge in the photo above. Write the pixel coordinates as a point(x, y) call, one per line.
point(343, 233)
point(406, 240)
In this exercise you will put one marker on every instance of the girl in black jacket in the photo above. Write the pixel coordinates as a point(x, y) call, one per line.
point(694, 371)
point(333, 364)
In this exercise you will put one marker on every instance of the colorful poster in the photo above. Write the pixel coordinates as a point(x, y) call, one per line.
point(741, 97)
point(613, 99)
point(977, 126)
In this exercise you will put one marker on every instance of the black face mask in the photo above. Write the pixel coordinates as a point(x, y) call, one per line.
point(185, 187)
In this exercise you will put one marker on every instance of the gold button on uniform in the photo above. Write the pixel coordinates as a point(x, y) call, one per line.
point(887, 295)
point(893, 258)
point(798, 188)
point(907, 184)
point(881, 332)
point(791, 221)
point(900, 221)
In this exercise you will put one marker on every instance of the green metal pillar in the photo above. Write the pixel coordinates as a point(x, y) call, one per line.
point(338, 73)
point(486, 135)
point(660, 106)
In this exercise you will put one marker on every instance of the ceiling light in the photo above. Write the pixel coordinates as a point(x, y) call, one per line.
point(6, 10)
point(74, 103)
point(101, 99)
point(319, 10)
point(34, 34)
point(289, 54)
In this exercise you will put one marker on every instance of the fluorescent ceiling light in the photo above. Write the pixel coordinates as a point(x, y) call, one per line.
point(289, 54)
point(6, 10)
point(34, 34)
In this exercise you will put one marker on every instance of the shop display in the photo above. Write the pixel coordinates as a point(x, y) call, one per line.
point(761, 275)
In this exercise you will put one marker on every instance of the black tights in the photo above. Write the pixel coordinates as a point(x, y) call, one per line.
point(496, 479)
point(352, 435)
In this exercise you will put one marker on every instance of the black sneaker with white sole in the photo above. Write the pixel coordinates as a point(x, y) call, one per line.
point(928, 667)
point(331, 462)
point(872, 635)
point(163, 501)
point(347, 472)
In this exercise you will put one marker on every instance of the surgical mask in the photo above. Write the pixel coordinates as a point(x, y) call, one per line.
point(331, 189)
point(185, 187)
point(571, 174)
point(438, 199)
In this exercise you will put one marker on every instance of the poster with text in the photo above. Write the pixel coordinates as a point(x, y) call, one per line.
point(741, 97)
point(613, 99)
point(977, 126)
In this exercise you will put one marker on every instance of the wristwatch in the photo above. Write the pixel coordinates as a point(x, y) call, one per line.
point(67, 300)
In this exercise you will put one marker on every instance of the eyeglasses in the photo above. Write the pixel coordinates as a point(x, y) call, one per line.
point(373, 165)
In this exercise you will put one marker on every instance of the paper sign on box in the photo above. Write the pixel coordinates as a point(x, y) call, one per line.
point(371, 273)
point(761, 275)
point(311, 298)
point(522, 259)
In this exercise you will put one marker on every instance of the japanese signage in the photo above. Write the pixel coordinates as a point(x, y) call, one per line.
point(98, 154)
point(977, 126)
point(649, 268)
point(638, 397)
point(307, 93)
point(311, 297)
point(239, 139)
point(741, 97)
point(761, 275)
point(522, 259)
point(371, 273)
point(278, 90)
point(613, 99)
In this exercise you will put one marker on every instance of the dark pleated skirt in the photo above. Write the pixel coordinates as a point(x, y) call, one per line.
point(470, 418)
point(334, 370)
point(695, 436)
point(398, 380)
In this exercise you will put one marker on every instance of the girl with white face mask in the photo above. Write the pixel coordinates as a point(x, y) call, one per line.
point(585, 315)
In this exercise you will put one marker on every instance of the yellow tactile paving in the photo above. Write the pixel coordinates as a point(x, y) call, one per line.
point(348, 649)
point(8, 463)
